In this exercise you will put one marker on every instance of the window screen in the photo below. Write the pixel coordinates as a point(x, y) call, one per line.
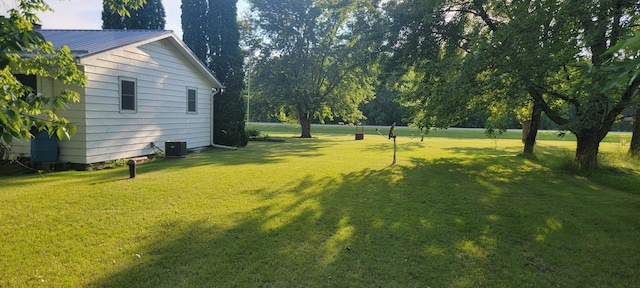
point(127, 95)
point(191, 100)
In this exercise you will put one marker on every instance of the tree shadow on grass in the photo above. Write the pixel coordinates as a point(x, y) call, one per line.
point(107, 175)
point(255, 153)
point(440, 223)
point(560, 160)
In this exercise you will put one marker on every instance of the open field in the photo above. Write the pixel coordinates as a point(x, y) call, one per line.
point(293, 130)
point(457, 211)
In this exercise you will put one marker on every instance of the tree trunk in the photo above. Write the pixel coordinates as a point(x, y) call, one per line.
point(526, 124)
point(587, 152)
point(529, 138)
point(305, 125)
point(634, 149)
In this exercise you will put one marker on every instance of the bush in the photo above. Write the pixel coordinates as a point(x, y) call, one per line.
point(256, 135)
point(253, 133)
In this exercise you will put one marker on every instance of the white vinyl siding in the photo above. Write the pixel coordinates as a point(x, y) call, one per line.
point(161, 74)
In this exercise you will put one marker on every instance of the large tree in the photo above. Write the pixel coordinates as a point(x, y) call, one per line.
point(211, 30)
point(315, 59)
point(150, 16)
point(24, 51)
point(552, 50)
point(195, 27)
point(226, 61)
point(625, 68)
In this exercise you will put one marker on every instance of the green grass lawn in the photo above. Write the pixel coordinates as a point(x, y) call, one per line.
point(330, 212)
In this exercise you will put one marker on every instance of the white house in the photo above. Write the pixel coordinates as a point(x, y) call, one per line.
point(144, 87)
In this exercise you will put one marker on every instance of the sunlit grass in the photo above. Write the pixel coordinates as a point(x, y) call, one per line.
point(330, 211)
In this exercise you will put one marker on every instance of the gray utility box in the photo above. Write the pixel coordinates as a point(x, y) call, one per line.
point(175, 148)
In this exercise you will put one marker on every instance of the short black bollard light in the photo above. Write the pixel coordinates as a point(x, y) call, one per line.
point(132, 168)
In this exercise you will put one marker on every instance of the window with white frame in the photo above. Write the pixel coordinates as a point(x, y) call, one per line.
point(128, 94)
point(192, 100)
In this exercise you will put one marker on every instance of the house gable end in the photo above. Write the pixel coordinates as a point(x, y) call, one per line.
point(172, 93)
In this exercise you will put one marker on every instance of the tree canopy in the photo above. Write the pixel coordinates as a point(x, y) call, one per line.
point(549, 56)
point(150, 15)
point(315, 60)
point(26, 52)
point(195, 27)
point(226, 62)
point(211, 31)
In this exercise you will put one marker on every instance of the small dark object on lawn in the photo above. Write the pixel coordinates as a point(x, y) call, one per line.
point(132, 168)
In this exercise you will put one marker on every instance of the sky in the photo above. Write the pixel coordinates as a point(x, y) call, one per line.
point(87, 14)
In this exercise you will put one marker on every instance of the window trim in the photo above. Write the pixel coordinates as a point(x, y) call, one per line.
point(195, 111)
point(135, 95)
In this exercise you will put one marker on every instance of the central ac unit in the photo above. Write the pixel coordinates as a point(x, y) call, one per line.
point(175, 148)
